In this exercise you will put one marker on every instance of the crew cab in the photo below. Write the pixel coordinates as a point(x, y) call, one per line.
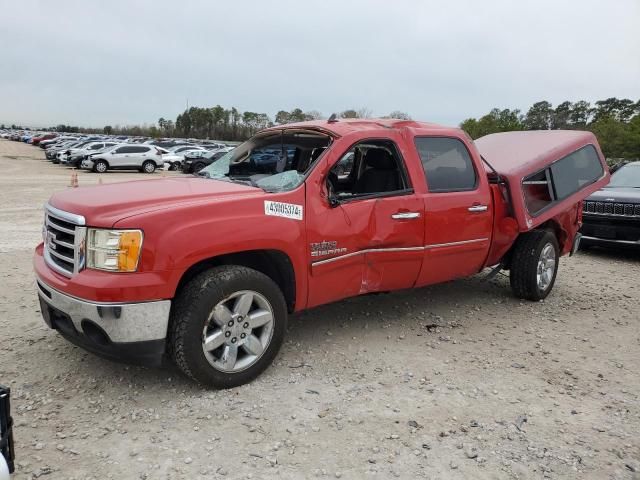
point(204, 270)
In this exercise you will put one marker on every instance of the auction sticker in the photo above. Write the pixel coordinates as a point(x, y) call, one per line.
point(286, 210)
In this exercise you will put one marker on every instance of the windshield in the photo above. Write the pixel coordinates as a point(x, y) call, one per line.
point(627, 176)
point(274, 161)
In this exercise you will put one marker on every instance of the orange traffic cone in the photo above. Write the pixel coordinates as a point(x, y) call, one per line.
point(71, 184)
point(75, 179)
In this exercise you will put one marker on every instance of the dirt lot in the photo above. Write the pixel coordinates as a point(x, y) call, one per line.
point(455, 381)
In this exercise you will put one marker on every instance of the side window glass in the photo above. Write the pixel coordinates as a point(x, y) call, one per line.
point(561, 179)
point(369, 168)
point(575, 171)
point(447, 164)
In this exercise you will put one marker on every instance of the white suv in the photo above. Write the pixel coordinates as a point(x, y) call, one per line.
point(145, 158)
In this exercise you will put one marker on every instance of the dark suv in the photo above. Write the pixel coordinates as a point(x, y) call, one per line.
point(611, 216)
point(194, 162)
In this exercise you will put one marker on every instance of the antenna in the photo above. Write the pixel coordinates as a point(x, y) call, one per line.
point(333, 118)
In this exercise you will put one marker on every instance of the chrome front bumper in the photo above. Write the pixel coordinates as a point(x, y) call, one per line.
point(121, 323)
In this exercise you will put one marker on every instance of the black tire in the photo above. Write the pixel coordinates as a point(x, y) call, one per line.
point(191, 311)
point(100, 166)
point(523, 274)
point(198, 166)
point(149, 166)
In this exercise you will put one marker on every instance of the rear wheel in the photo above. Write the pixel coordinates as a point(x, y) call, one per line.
point(149, 166)
point(198, 166)
point(534, 265)
point(100, 166)
point(227, 326)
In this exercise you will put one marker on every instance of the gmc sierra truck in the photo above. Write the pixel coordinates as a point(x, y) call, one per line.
point(204, 270)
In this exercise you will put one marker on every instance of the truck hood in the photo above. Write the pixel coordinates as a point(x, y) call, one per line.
point(104, 205)
point(616, 194)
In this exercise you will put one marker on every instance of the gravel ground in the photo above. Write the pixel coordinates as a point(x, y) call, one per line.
point(459, 380)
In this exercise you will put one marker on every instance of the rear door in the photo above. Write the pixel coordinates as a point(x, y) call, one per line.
point(458, 210)
point(119, 157)
point(138, 155)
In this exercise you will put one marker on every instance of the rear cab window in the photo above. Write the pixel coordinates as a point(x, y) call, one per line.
point(561, 179)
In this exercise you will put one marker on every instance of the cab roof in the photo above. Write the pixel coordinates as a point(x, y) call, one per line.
point(344, 126)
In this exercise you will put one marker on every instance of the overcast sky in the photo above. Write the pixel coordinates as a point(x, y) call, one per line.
point(123, 62)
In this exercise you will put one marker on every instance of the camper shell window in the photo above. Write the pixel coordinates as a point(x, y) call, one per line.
point(561, 179)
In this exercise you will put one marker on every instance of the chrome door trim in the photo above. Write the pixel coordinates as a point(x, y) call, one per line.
point(398, 249)
point(453, 244)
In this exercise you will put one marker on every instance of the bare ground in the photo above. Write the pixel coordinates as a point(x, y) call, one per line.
point(459, 380)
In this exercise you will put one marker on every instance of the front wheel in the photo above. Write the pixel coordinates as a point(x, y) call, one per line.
point(534, 265)
point(100, 166)
point(227, 325)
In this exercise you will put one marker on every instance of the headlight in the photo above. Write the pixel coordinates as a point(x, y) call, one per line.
point(114, 250)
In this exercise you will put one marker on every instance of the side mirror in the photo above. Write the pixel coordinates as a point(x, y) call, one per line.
point(333, 200)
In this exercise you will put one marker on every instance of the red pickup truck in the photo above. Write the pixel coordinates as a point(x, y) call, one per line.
point(205, 269)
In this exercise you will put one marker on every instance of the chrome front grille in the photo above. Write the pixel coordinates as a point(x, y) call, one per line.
point(64, 237)
point(612, 208)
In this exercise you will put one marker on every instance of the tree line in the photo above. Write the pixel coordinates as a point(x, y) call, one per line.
point(615, 122)
point(217, 123)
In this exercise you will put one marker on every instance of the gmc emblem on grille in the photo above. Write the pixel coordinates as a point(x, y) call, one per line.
point(51, 240)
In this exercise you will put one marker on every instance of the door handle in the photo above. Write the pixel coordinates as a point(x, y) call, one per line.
point(405, 215)
point(478, 208)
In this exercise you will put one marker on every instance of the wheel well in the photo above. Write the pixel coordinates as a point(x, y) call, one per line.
point(549, 225)
point(273, 263)
point(555, 228)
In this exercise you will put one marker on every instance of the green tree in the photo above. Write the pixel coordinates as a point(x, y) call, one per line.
point(351, 113)
point(283, 117)
point(561, 116)
point(399, 115)
point(217, 116)
point(539, 116)
point(613, 107)
point(313, 115)
point(580, 114)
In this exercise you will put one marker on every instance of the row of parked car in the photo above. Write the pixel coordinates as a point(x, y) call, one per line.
point(101, 153)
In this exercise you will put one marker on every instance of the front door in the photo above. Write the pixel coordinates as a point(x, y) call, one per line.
point(371, 239)
point(118, 157)
point(458, 211)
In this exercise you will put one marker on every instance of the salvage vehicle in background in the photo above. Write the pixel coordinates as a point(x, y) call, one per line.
point(144, 158)
point(196, 161)
point(77, 155)
point(205, 269)
point(611, 216)
point(36, 140)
